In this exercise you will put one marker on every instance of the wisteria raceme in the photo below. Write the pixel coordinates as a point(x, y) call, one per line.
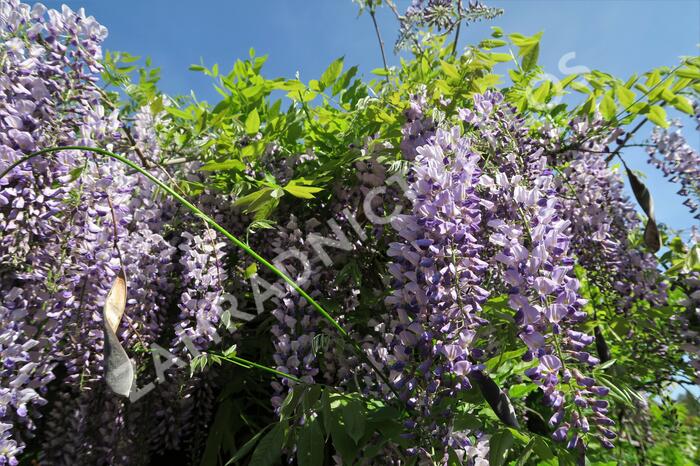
point(437, 271)
point(47, 55)
point(419, 128)
point(300, 335)
point(297, 323)
point(690, 322)
point(440, 263)
point(527, 223)
point(601, 217)
point(679, 162)
point(201, 302)
point(441, 15)
point(85, 276)
point(62, 204)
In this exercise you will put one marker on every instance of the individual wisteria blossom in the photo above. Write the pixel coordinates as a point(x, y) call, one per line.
point(478, 454)
point(679, 162)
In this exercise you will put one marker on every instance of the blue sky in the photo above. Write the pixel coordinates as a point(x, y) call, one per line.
point(620, 36)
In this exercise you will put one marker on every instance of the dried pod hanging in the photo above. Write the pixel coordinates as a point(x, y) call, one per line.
point(496, 398)
point(652, 238)
point(119, 372)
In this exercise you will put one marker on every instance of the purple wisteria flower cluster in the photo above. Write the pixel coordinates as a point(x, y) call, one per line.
point(532, 234)
point(486, 209)
point(58, 256)
point(437, 271)
point(296, 323)
point(501, 229)
point(47, 91)
point(441, 15)
point(601, 218)
point(679, 162)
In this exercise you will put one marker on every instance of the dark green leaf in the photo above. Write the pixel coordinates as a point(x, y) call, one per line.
point(326, 411)
point(466, 421)
point(243, 451)
point(76, 172)
point(221, 428)
point(499, 445)
point(541, 448)
point(291, 402)
point(269, 450)
point(311, 397)
point(342, 442)
point(310, 444)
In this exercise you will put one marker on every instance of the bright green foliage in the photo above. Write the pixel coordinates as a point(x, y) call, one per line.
point(332, 116)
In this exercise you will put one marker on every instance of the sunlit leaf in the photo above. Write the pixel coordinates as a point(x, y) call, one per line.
point(252, 122)
point(607, 106)
point(231, 164)
point(332, 73)
point(657, 114)
point(295, 188)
